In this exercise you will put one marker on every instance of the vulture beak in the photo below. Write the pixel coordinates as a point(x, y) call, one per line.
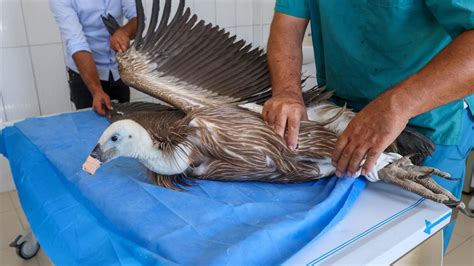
point(95, 159)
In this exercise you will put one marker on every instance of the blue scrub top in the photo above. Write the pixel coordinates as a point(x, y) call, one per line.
point(364, 47)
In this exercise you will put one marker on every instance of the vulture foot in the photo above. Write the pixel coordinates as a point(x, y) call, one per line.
point(418, 179)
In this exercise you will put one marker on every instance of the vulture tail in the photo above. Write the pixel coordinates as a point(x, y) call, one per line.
point(316, 95)
point(411, 142)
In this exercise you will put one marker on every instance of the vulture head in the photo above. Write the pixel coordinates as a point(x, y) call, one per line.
point(124, 138)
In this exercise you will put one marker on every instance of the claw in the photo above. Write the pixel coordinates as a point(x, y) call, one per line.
point(452, 203)
point(459, 205)
point(442, 174)
point(418, 179)
point(448, 177)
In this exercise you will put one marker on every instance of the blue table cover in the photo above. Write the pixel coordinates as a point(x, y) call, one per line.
point(117, 217)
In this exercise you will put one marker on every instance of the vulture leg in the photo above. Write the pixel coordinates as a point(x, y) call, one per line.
point(418, 179)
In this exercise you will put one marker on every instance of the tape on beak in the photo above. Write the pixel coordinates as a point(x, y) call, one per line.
point(93, 161)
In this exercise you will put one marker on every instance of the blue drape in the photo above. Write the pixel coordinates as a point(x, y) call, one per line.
point(116, 216)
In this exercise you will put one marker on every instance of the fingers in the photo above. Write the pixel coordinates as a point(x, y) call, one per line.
point(101, 104)
point(356, 159)
point(108, 103)
point(119, 42)
point(119, 46)
point(293, 130)
point(284, 114)
point(280, 124)
point(123, 45)
point(99, 108)
point(343, 161)
point(266, 113)
point(339, 147)
point(350, 157)
point(372, 157)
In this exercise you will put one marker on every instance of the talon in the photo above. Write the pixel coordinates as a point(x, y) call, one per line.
point(452, 178)
point(452, 203)
point(418, 179)
point(448, 177)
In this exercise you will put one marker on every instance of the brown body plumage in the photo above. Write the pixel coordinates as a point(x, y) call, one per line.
point(225, 150)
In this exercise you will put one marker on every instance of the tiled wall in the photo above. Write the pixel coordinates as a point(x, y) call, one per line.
point(33, 79)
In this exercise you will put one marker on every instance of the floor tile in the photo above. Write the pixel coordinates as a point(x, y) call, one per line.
point(10, 227)
point(464, 226)
point(8, 257)
point(455, 242)
point(23, 220)
point(5, 202)
point(15, 200)
point(43, 259)
point(462, 255)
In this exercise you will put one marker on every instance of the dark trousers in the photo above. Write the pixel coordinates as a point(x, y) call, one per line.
point(82, 98)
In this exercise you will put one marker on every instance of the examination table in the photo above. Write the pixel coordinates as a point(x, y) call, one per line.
point(117, 217)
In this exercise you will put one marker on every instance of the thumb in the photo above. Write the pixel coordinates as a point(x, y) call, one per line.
point(108, 103)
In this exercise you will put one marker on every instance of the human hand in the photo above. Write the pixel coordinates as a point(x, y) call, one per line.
point(120, 40)
point(101, 103)
point(369, 133)
point(284, 112)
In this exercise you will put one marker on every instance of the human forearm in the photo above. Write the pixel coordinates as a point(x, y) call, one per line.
point(448, 77)
point(88, 71)
point(285, 54)
point(130, 28)
point(286, 109)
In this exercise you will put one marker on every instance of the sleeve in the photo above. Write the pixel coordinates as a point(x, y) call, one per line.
point(456, 16)
point(69, 25)
point(129, 9)
point(295, 8)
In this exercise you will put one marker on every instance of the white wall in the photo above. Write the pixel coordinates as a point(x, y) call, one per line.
point(33, 78)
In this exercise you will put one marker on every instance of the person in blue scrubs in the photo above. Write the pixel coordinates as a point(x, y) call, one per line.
point(396, 62)
point(90, 50)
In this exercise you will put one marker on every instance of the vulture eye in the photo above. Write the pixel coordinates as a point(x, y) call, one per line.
point(114, 138)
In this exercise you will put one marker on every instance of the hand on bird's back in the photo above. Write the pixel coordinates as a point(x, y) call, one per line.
point(284, 113)
point(368, 134)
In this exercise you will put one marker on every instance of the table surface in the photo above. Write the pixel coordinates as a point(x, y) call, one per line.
point(385, 223)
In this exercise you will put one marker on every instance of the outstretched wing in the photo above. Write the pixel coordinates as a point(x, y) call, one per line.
point(188, 63)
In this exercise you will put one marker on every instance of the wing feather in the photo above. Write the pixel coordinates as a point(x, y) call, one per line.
point(188, 63)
